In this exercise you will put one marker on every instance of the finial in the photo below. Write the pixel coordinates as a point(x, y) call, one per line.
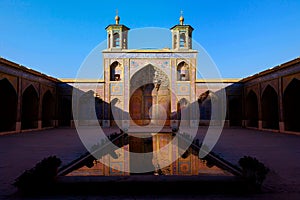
point(117, 18)
point(181, 19)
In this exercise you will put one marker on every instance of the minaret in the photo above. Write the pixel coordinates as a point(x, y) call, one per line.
point(182, 35)
point(117, 35)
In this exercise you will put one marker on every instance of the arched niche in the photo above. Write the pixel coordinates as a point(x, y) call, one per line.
point(183, 72)
point(291, 107)
point(251, 107)
point(30, 107)
point(269, 108)
point(8, 106)
point(48, 109)
point(115, 71)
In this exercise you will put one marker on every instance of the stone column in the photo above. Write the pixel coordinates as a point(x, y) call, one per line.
point(40, 107)
point(280, 107)
point(56, 111)
point(260, 122)
point(19, 106)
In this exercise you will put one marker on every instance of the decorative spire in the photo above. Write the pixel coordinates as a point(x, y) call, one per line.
point(181, 19)
point(117, 18)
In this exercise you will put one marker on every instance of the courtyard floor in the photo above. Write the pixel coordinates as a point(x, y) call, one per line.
point(279, 152)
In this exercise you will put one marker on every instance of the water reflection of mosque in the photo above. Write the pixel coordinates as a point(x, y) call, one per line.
point(117, 162)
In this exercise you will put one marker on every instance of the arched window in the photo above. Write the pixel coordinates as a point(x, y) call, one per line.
point(190, 40)
point(182, 72)
point(109, 37)
point(116, 38)
point(175, 41)
point(182, 40)
point(124, 41)
point(115, 71)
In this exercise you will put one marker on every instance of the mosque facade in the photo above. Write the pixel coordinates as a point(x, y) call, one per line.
point(150, 87)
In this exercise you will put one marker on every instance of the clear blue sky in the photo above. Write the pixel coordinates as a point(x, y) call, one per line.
point(242, 37)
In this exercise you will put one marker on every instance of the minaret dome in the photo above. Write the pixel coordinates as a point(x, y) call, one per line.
point(181, 18)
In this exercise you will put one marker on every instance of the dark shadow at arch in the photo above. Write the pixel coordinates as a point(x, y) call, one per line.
point(235, 110)
point(204, 102)
point(291, 100)
point(65, 111)
point(48, 109)
point(182, 104)
point(115, 113)
point(30, 107)
point(8, 106)
point(115, 75)
point(269, 108)
point(99, 106)
point(251, 109)
point(183, 114)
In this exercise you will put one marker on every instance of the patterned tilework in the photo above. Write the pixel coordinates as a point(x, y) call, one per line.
point(116, 89)
point(137, 64)
point(116, 168)
point(183, 89)
point(13, 80)
point(149, 55)
point(184, 167)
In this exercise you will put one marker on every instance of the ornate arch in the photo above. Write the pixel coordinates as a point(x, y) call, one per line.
point(8, 105)
point(149, 74)
point(30, 108)
point(11, 79)
point(27, 84)
point(288, 80)
point(270, 84)
point(291, 108)
point(270, 108)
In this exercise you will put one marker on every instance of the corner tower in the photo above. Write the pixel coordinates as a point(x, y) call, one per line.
point(182, 35)
point(117, 35)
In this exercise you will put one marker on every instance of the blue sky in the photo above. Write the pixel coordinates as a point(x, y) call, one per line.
point(242, 37)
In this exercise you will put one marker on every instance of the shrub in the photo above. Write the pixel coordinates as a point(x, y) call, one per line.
point(43, 174)
point(253, 170)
